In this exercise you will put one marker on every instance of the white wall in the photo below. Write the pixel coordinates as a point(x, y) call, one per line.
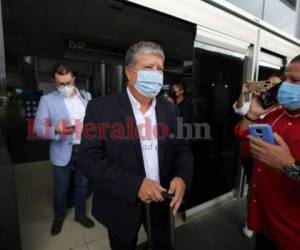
point(298, 22)
point(254, 7)
point(275, 12)
point(280, 15)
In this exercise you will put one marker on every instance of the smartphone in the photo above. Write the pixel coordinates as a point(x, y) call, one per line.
point(259, 85)
point(262, 131)
point(269, 98)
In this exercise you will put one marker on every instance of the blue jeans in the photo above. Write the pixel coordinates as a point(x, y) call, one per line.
point(61, 176)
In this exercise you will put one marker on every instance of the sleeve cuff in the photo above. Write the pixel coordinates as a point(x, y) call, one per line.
point(243, 110)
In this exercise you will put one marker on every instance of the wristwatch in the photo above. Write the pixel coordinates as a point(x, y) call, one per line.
point(292, 171)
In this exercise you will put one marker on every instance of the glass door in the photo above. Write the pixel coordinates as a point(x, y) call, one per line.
point(217, 76)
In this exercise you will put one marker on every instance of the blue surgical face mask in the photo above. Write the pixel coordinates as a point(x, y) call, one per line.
point(289, 96)
point(149, 83)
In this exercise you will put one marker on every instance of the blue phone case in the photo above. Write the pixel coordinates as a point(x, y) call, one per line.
point(262, 131)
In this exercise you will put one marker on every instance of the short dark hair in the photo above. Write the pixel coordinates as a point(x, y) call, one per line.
point(61, 69)
point(180, 85)
point(295, 59)
point(280, 76)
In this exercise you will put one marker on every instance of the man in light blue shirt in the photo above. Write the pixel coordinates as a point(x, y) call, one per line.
point(59, 118)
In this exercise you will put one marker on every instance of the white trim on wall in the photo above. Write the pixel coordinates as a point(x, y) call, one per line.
point(218, 15)
point(221, 41)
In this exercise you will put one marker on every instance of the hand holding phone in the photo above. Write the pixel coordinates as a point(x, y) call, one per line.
point(269, 97)
point(69, 130)
point(256, 86)
point(262, 131)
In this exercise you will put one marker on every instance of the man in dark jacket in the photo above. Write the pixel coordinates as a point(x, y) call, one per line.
point(184, 106)
point(130, 151)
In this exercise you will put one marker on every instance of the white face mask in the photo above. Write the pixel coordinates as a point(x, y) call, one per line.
point(66, 91)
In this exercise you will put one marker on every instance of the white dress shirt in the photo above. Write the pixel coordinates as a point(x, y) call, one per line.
point(146, 124)
point(76, 112)
point(242, 110)
point(246, 107)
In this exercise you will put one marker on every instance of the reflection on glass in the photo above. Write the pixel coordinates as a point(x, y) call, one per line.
point(216, 84)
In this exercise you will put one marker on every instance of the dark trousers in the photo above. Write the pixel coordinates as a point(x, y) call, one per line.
point(160, 230)
point(61, 176)
point(71, 190)
point(262, 243)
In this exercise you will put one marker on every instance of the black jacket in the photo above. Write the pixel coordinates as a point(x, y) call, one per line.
point(111, 157)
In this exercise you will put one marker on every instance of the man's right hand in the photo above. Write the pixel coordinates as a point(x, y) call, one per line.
point(151, 191)
point(63, 130)
point(245, 87)
point(256, 110)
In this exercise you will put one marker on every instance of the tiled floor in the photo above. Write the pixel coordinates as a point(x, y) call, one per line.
point(220, 230)
point(34, 194)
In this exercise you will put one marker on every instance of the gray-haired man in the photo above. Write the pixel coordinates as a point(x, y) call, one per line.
point(131, 153)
